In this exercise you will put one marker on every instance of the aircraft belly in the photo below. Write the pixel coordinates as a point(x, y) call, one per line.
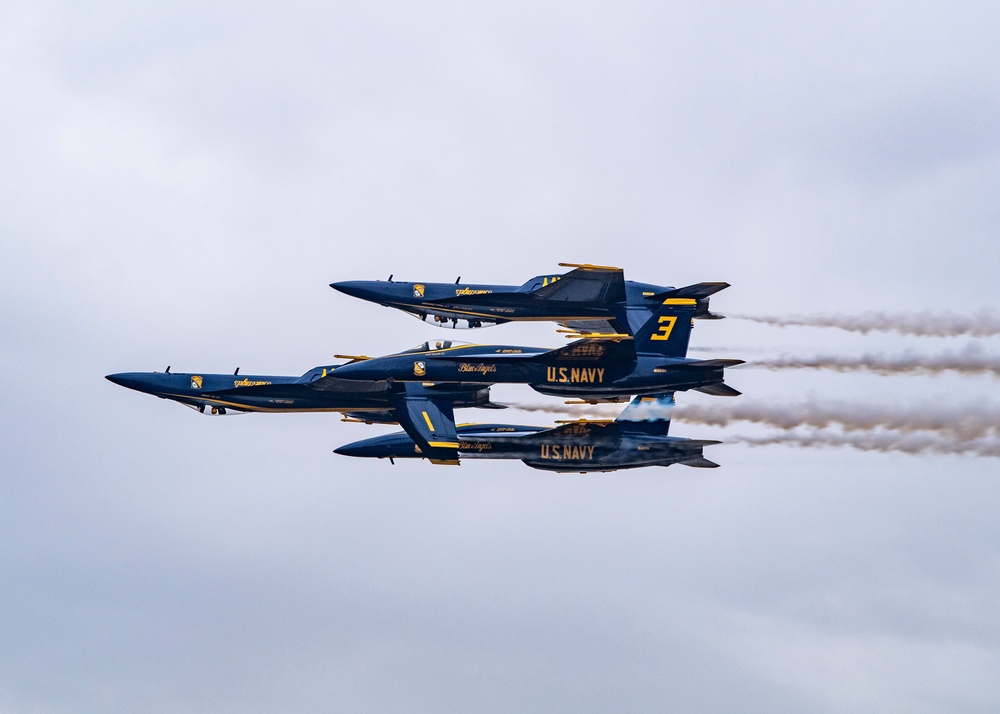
point(285, 403)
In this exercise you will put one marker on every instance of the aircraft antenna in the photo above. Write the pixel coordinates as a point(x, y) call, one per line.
point(458, 280)
point(390, 276)
point(168, 369)
point(236, 372)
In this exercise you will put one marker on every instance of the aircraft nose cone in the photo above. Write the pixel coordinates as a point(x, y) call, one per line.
point(349, 450)
point(118, 379)
point(139, 381)
point(377, 447)
point(365, 448)
point(354, 288)
point(130, 380)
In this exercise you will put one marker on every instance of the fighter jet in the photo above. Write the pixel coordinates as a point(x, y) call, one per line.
point(425, 411)
point(638, 437)
point(598, 367)
point(590, 297)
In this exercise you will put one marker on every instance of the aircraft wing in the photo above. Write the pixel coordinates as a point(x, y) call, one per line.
point(577, 429)
point(430, 422)
point(595, 349)
point(587, 284)
point(594, 325)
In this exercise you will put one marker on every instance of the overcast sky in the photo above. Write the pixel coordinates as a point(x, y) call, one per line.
point(179, 182)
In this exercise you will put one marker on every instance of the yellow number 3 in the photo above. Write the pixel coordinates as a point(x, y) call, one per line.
point(666, 327)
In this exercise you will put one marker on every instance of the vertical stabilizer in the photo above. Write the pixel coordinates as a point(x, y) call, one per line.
point(649, 411)
point(667, 332)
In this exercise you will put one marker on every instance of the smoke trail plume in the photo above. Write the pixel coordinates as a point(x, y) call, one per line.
point(971, 360)
point(580, 411)
point(884, 442)
point(962, 423)
point(985, 323)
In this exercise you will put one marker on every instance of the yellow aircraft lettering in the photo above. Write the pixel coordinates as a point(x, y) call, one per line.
point(249, 383)
point(667, 323)
point(575, 375)
point(567, 452)
point(465, 368)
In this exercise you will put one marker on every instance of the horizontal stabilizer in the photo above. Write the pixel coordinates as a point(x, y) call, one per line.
point(705, 364)
point(719, 390)
point(691, 443)
point(698, 291)
point(700, 463)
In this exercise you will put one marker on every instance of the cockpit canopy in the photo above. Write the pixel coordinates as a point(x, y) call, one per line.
point(436, 345)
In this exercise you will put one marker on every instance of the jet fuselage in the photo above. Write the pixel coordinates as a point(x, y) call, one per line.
point(574, 447)
point(315, 391)
point(588, 376)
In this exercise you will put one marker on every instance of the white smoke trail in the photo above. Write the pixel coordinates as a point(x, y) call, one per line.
point(580, 411)
point(961, 423)
point(885, 442)
point(971, 360)
point(985, 323)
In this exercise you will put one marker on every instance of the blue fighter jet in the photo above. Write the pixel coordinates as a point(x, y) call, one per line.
point(599, 367)
point(638, 437)
point(425, 411)
point(596, 298)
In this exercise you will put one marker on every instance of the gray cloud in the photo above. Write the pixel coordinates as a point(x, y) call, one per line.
point(181, 181)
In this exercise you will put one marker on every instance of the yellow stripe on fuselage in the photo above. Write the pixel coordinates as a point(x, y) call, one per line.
point(497, 316)
point(256, 408)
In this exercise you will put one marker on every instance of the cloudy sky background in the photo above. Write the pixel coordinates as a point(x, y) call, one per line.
point(180, 182)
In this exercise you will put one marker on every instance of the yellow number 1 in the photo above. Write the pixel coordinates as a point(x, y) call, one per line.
point(666, 327)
